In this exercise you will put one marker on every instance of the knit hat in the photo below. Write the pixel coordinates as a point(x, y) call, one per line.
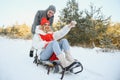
point(43, 21)
point(51, 7)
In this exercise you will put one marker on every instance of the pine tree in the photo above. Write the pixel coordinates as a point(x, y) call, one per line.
point(93, 24)
point(69, 13)
point(88, 27)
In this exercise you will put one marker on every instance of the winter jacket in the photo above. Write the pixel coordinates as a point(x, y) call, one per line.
point(39, 15)
point(39, 43)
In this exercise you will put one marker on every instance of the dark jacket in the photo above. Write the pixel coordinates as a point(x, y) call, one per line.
point(39, 15)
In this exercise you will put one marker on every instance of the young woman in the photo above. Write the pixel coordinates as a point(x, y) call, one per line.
point(45, 40)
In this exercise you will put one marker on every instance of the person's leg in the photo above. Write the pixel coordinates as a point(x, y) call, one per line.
point(47, 52)
point(31, 50)
point(64, 44)
point(54, 47)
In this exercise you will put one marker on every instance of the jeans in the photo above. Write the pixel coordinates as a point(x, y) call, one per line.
point(56, 47)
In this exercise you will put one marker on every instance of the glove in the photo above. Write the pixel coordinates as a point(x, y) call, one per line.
point(72, 24)
point(31, 53)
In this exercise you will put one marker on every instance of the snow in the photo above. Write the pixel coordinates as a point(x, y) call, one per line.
point(15, 63)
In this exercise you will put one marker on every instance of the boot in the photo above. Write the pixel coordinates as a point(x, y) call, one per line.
point(63, 61)
point(67, 65)
point(69, 56)
point(31, 52)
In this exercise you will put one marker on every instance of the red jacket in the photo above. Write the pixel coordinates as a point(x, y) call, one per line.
point(49, 37)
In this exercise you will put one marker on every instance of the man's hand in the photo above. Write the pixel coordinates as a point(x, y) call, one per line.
point(72, 24)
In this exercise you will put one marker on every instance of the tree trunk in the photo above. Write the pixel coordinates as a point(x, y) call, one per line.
point(93, 44)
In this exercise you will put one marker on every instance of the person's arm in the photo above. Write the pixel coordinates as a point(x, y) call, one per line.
point(36, 21)
point(51, 23)
point(39, 31)
point(61, 33)
point(51, 20)
point(37, 42)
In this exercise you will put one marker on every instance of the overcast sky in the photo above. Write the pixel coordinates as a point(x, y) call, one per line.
point(23, 11)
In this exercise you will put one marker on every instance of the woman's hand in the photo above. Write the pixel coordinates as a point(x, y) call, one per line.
point(72, 24)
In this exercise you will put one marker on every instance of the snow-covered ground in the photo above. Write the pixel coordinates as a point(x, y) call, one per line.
point(15, 63)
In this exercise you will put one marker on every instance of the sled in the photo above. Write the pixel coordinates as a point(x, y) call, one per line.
point(48, 64)
point(55, 65)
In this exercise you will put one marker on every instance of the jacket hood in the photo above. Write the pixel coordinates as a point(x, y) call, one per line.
point(51, 7)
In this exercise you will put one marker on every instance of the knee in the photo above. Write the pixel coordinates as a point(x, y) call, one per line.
point(64, 40)
point(55, 42)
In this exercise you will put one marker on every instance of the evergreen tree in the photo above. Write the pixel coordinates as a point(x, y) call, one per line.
point(69, 13)
point(94, 24)
point(88, 28)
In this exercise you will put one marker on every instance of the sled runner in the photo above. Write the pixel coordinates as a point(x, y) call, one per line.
point(75, 65)
point(48, 64)
point(56, 66)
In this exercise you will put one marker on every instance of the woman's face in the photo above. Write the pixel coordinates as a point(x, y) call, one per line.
point(47, 27)
point(50, 13)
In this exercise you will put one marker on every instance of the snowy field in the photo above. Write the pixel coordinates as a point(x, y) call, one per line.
point(15, 63)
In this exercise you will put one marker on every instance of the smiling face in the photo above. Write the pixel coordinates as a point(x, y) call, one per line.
point(50, 13)
point(46, 27)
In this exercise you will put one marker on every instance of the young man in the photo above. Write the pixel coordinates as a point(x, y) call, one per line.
point(48, 14)
point(45, 40)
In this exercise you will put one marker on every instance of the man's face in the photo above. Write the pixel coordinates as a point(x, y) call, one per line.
point(50, 13)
